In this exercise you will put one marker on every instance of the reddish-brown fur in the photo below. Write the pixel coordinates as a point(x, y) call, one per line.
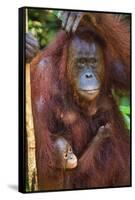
point(104, 159)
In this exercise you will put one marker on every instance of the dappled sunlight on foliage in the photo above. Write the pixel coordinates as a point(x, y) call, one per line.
point(43, 24)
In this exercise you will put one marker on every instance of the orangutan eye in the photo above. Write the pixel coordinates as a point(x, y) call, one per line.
point(82, 61)
point(65, 156)
point(93, 61)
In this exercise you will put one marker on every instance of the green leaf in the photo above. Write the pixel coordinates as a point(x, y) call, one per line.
point(125, 109)
point(127, 121)
point(56, 12)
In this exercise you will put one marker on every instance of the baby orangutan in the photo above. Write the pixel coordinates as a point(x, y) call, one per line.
point(65, 158)
point(65, 162)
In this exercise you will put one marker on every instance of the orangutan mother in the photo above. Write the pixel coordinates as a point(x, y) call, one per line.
point(71, 83)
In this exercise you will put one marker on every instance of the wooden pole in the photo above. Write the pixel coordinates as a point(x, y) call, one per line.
point(32, 173)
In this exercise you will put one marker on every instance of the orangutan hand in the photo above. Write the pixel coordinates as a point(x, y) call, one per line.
point(32, 47)
point(70, 20)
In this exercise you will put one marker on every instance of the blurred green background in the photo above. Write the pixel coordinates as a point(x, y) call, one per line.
point(44, 24)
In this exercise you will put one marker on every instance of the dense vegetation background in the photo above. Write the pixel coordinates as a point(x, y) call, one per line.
point(43, 24)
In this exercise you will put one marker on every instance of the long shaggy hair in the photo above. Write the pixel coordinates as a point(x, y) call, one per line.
point(58, 110)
